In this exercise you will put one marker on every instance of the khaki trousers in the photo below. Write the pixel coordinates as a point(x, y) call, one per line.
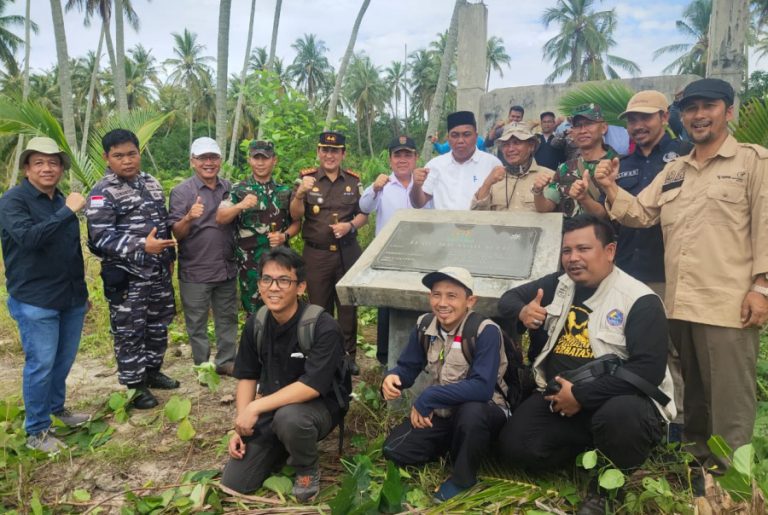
point(719, 369)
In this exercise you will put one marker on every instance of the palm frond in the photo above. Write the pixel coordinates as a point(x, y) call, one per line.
point(496, 495)
point(611, 95)
point(752, 126)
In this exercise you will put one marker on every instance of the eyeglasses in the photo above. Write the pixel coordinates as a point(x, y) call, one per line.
point(212, 158)
point(283, 282)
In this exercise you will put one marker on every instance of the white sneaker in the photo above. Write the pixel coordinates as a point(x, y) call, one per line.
point(72, 419)
point(46, 443)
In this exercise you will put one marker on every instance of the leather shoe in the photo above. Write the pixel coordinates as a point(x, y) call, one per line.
point(156, 379)
point(226, 369)
point(143, 399)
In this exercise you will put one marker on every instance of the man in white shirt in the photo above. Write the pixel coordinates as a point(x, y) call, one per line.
point(450, 180)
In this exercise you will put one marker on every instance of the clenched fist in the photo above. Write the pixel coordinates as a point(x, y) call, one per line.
point(419, 176)
point(248, 202)
point(75, 202)
point(307, 183)
point(380, 182)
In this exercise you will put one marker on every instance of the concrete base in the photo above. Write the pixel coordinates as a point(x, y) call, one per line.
point(401, 323)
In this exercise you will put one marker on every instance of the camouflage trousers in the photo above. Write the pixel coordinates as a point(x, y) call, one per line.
point(139, 325)
point(248, 277)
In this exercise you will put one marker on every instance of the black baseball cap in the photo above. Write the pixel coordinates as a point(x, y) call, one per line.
point(265, 148)
point(715, 89)
point(400, 143)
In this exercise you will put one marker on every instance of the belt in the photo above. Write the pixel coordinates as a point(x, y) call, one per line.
point(333, 247)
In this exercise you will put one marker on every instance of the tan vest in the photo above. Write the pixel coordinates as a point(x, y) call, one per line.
point(610, 306)
point(446, 363)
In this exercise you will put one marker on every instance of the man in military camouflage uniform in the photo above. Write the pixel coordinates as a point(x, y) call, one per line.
point(572, 191)
point(127, 228)
point(259, 208)
point(328, 199)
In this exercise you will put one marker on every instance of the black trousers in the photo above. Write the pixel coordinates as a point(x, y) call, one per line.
point(625, 429)
point(382, 336)
point(290, 433)
point(466, 436)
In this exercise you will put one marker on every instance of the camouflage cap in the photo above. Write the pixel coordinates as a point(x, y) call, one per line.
point(590, 111)
point(261, 147)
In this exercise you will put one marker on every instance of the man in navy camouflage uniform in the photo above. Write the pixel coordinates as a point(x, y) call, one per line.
point(258, 206)
point(127, 228)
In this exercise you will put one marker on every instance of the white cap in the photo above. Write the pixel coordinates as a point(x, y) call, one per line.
point(205, 145)
point(454, 273)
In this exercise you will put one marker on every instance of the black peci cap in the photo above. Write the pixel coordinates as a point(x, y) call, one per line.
point(715, 89)
point(461, 118)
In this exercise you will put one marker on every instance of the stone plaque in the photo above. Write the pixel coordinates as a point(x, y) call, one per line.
point(485, 250)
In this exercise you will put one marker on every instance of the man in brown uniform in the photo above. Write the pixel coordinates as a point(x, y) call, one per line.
point(328, 199)
point(508, 188)
point(713, 208)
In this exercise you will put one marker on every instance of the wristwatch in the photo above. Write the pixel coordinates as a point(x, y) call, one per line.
point(762, 290)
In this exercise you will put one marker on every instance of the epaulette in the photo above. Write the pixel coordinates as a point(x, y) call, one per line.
point(307, 171)
point(761, 151)
point(353, 174)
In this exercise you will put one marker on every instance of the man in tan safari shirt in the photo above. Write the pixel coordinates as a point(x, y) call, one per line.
point(713, 209)
point(508, 188)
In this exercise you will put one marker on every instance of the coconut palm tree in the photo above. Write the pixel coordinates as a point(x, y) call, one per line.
point(695, 24)
point(189, 69)
point(344, 62)
point(310, 67)
point(29, 26)
point(145, 63)
point(241, 88)
point(222, 59)
point(365, 92)
point(446, 64)
point(65, 78)
point(275, 26)
point(394, 78)
point(10, 42)
point(580, 50)
point(496, 56)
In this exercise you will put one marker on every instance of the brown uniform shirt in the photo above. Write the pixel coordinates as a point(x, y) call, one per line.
point(326, 198)
point(715, 224)
point(513, 193)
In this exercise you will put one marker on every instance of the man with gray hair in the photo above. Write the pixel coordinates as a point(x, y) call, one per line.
point(207, 269)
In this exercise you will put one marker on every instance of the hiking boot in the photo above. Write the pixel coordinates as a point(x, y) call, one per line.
point(227, 369)
point(306, 486)
point(156, 379)
point(72, 419)
point(144, 399)
point(448, 490)
point(354, 369)
point(46, 443)
point(594, 504)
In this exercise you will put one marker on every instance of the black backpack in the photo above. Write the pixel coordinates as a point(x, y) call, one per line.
point(517, 372)
point(342, 377)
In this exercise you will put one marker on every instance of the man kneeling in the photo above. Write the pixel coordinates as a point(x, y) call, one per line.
point(462, 409)
point(297, 405)
point(592, 310)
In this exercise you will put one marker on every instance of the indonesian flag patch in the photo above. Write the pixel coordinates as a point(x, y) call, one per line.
point(97, 201)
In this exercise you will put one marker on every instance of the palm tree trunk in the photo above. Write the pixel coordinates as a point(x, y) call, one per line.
point(110, 47)
point(359, 137)
point(368, 124)
point(436, 107)
point(65, 78)
point(121, 94)
point(225, 8)
point(189, 97)
point(405, 89)
point(91, 92)
point(343, 67)
point(273, 43)
point(488, 79)
point(24, 94)
point(241, 92)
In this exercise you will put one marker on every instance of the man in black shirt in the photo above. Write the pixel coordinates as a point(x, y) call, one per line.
point(547, 155)
point(46, 287)
point(294, 405)
point(592, 310)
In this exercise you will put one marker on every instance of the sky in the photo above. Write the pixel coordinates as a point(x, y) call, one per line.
point(389, 26)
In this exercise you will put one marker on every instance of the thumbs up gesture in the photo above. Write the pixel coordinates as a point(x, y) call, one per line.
point(533, 314)
point(196, 211)
point(154, 245)
point(578, 190)
point(606, 175)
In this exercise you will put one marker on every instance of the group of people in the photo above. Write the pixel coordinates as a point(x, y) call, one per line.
point(653, 319)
